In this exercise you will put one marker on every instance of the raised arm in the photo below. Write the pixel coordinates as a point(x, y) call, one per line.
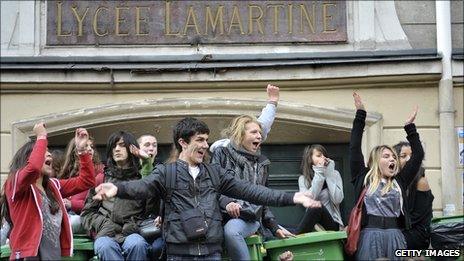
point(86, 178)
point(413, 165)
point(356, 157)
point(32, 171)
point(269, 111)
point(146, 160)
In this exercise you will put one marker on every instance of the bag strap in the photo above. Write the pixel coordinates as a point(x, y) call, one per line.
point(361, 198)
point(171, 176)
point(214, 177)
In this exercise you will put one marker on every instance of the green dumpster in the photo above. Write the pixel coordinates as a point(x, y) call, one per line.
point(83, 249)
point(255, 248)
point(323, 245)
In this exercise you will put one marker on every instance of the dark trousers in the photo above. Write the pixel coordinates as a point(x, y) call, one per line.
point(315, 216)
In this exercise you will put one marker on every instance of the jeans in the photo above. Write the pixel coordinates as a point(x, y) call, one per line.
point(134, 247)
point(235, 232)
point(215, 256)
point(157, 249)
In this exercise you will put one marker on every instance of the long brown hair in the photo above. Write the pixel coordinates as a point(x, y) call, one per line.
point(307, 162)
point(71, 163)
point(18, 162)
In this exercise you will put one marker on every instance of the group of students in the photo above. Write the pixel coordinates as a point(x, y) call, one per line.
point(199, 205)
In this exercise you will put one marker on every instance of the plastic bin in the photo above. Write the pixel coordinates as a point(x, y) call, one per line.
point(323, 245)
point(83, 249)
point(255, 247)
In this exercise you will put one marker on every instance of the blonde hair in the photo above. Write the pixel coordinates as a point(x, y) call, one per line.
point(374, 175)
point(236, 130)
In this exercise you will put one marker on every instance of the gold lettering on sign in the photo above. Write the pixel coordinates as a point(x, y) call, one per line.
point(119, 20)
point(138, 19)
point(191, 15)
point(167, 20)
point(79, 19)
point(95, 21)
point(290, 19)
point(258, 20)
point(276, 16)
point(236, 16)
point(309, 19)
point(327, 18)
point(218, 19)
point(59, 17)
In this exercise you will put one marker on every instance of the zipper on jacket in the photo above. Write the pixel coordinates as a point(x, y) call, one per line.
point(196, 205)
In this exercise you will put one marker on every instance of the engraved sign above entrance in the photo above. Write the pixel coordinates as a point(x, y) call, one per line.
point(143, 22)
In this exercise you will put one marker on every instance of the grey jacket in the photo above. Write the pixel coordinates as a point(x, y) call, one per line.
point(330, 197)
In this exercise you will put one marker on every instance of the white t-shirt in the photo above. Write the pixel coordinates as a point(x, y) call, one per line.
point(194, 171)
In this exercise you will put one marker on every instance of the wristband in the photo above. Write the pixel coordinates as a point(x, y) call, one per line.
point(273, 102)
point(42, 137)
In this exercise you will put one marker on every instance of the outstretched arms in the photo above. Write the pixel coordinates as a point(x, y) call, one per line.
point(356, 157)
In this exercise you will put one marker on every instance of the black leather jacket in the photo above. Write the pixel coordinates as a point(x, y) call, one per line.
point(249, 212)
point(200, 193)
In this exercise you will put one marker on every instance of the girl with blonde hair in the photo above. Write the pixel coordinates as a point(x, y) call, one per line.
point(242, 155)
point(385, 204)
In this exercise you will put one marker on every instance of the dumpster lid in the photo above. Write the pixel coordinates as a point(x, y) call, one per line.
point(254, 240)
point(457, 218)
point(312, 237)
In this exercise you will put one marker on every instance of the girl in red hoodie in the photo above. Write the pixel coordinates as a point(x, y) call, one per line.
point(34, 205)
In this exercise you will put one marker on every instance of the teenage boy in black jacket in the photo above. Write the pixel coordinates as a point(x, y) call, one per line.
point(196, 188)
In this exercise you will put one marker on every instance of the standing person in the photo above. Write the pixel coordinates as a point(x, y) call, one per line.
point(325, 184)
point(192, 195)
point(385, 209)
point(242, 155)
point(35, 210)
point(115, 223)
point(70, 168)
point(420, 201)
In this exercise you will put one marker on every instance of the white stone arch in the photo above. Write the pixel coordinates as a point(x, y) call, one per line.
point(58, 123)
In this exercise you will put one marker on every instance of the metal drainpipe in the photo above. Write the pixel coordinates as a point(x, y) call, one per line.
point(452, 193)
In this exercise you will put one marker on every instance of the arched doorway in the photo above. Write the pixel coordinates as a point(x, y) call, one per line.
point(296, 126)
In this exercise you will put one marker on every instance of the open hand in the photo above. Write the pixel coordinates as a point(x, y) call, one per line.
point(138, 152)
point(39, 129)
point(158, 221)
point(283, 233)
point(272, 93)
point(105, 191)
point(413, 115)
point(307, 202)
point(358, 102)
point(233, 209)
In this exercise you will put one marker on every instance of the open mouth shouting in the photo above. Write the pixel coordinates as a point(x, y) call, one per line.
point(391, 166)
